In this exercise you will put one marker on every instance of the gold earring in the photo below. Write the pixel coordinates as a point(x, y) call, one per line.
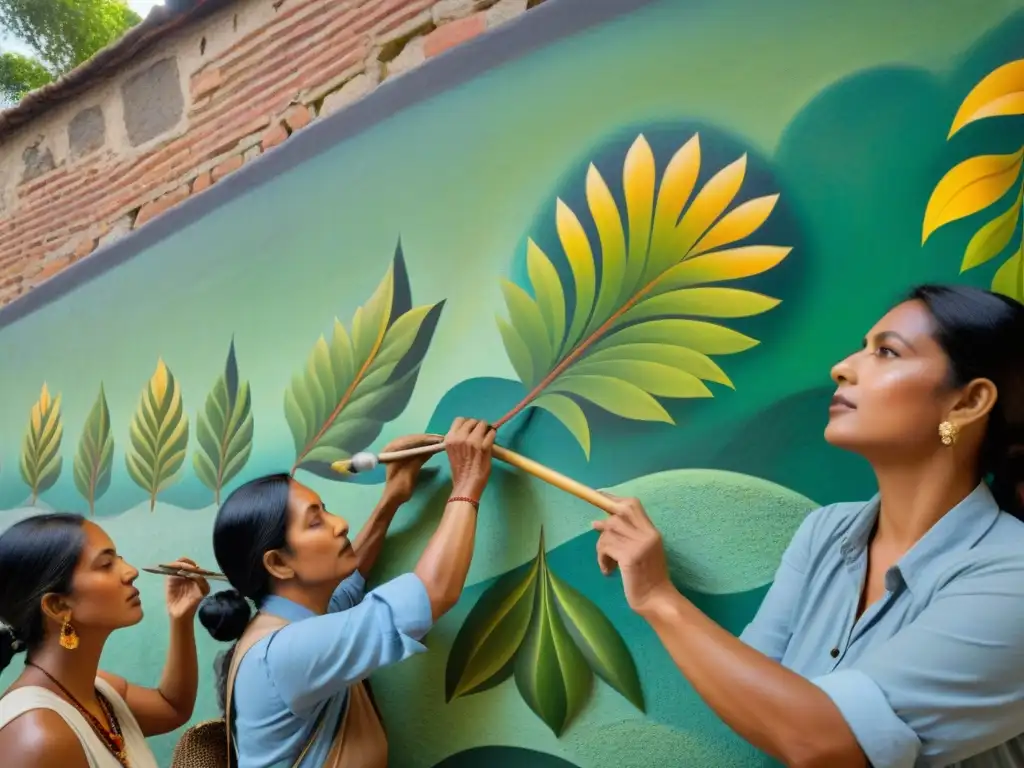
point(68, 636)
point(948, 432)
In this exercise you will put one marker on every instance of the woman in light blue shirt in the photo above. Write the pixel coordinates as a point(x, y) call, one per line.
point(280, 548)
point(893, 634)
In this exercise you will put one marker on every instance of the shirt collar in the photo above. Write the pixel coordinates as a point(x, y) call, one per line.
point(958, 530)
point(287, 609)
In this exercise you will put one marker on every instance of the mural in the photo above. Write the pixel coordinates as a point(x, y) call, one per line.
point(637, 246)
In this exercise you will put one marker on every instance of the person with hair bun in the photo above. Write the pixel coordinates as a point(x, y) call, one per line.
point(63, 591)
point(893, 633)
point(293, 687)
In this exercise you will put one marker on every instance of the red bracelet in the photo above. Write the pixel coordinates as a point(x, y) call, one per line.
point(474, 502)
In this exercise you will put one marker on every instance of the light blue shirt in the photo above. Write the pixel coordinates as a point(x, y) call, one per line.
point(286, 679)
point(933, 673)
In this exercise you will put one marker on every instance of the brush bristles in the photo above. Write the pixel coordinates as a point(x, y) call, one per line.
point(342, 467)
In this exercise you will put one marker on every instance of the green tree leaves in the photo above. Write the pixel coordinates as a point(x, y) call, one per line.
point(532, 625)
point(629, 337)
point(980, 182)
point(41, 461)
point(19, 75)
point(224, 429)
point(355, 383)
point(159, 435)
point(95, 455)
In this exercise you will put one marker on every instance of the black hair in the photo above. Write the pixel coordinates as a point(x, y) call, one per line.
point(252, 521)
point(38, 556)
point(982, 334)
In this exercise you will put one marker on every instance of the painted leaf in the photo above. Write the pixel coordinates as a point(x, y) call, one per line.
point(551, 673)
point(95, 455)
point(224, 429)
point(1009, 278)
point(600, 643)
point(655, 261)
point(355, 383)
point(159, 435)
point(992, 239)
point(41, 461)
point(482, 654)
point(1000, 93)
point(969, 187)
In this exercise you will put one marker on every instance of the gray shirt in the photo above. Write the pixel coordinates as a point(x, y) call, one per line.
point(933, 673)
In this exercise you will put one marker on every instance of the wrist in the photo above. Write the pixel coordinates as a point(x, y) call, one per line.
point(660, 603)
point(184, 620)
point(467, 490)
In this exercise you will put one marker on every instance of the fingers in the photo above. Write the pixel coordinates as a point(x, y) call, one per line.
point(456, 427)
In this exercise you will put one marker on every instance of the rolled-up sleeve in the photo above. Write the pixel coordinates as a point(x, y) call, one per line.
point(772, 627)
point(949, 685)
point(314, 659)
point(348, 594)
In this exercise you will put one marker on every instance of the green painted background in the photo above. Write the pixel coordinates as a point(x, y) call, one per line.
point(843, 108)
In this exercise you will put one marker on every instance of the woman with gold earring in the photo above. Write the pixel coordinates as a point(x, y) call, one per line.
point(64, 590)
point(893, 633)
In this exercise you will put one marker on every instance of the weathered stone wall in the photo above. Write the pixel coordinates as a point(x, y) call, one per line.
point(197, 107)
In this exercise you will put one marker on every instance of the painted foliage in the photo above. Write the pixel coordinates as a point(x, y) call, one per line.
point(637, 249)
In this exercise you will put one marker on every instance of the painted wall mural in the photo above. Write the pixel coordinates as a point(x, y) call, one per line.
point(638, 245)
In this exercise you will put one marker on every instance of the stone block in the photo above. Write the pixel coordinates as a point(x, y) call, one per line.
point(503, 11)
point(153, 101)
point(353, 90)
point(275, 134)
point(37, 160)
point(230, 165)
point(163, 203)
point(87, 131)
point(410, 57)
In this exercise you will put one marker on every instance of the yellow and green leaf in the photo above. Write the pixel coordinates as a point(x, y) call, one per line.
point(1009, 278)
point(41, 461)
point(999, 94)
point(94, 458)
point(656, 260)
point(355, 383)
point(969, 187)
point(159, 435)
point(224, 429)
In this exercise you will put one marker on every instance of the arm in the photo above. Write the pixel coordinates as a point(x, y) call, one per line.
point(169, 705)
point(371, 536)
point(445, 561)
point(776, 710)
point(40, 739)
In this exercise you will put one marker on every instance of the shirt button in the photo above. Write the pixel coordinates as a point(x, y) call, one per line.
point(834, 653)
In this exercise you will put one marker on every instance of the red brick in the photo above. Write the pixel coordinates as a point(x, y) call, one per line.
point(298, 117)
point(161, 204)
point(454, 33)
point(275, 135)
point(84, 248)
point(230, 165)
point(202, 182)
point(50, 269)
point(206, 81)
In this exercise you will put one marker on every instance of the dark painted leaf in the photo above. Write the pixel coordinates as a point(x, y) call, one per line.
point(95, 455)
point(482, 654)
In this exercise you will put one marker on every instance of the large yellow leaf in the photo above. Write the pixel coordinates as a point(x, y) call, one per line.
point(1000, 93)
point(630, 338)
point(41, 461)
point(1009, 278)
point(969, 187)
point(989, 241)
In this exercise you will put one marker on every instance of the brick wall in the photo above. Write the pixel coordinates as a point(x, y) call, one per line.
point(200, 105)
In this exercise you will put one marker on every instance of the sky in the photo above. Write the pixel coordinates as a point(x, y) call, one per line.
point(141, 7)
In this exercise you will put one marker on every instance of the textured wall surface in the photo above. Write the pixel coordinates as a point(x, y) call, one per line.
point(636, 233)
point(208, 99)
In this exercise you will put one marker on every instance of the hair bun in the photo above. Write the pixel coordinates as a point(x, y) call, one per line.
point(225, 615)
point(9, 646)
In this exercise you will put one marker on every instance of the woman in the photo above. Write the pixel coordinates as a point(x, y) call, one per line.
point(64, 590)
point(293, 686)
point(893, 634)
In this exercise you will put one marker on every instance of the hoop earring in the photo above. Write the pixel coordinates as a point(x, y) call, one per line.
point(948, 432)
point(68, 636)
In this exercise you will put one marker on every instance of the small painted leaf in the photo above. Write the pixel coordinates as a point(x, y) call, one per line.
point(600, 643)
point(41, 461)
point(1000, 93)
point(989, 241)
point(95, 455)
point(969, 187)
point(224, 429)
point(1009, 278)
point(482, 653)
point(663, 242)
point(159, 435)
point(353, 384)
point(551, 673)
